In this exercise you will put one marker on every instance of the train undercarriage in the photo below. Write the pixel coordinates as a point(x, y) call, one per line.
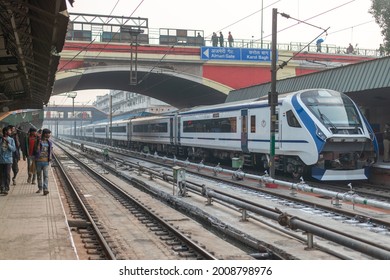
point(256, 161)
point(293, 165)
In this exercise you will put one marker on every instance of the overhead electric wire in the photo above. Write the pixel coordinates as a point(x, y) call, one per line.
point(317, 15)
point(353, 26)
point(284, 63)
point(114, 7)
point(234, 23)
point(112, 10)
point(109, 41)
point(83, 49)
point(157, 64)
point(86, 47)
point(173, 45)
point(246, 17)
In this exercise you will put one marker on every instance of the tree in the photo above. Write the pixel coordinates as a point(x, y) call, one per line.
point(380, 9)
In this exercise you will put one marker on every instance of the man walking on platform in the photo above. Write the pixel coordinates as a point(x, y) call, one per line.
point(27, 145)
point(43, 152)
point(7, 147)
point(15, 155)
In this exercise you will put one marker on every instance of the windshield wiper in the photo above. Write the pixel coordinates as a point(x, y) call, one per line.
point(326, 119)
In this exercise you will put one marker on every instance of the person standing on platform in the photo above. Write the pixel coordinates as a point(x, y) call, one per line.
point(214, 39)
point(221, 39)
point(7, 147)
point(43, 153)
point(16, 154)
point(199, 40)
point(318, 43)
point(230, 40)
point(381, 50)
point(386, 143)
point(27, 145)
point(350, 49)
point(106, 156)
point(39, 133)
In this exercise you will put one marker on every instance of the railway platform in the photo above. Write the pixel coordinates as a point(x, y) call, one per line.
point(33, 226)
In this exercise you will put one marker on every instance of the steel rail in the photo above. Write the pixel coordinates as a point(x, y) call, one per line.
point(102, 240)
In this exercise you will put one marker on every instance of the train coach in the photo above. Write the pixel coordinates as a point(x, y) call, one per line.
point(320, 132)
point(154, 133)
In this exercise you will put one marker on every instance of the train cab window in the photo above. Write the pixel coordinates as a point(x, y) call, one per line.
point(253, 124)
point(291, 119)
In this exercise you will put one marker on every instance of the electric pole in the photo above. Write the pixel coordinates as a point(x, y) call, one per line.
point(273, 96)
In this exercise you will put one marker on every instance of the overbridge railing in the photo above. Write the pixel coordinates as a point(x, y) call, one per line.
point(154, 38)
point(84, 27)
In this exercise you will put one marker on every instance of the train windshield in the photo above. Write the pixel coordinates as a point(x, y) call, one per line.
point(334, 109)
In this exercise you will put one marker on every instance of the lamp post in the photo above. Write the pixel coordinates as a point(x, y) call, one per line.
point(73, 95)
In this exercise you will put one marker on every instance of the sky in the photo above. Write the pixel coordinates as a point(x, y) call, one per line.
point(348, 21)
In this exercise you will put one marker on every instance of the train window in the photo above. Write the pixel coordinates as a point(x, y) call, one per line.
point(140, 128)
point(160, 127)
point(151, 128)
point(353, 118)
point(291, 119)
point(223, 125)
point(89, 130)
point(100, 129)
point(118, 129)
point(253, 124)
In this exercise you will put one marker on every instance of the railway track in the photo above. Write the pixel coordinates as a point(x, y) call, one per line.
point(363, 190)
point(81, 218)
point(179, 242)
point(357, 221)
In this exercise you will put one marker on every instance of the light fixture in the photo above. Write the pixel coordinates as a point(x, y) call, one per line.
point(71, 94)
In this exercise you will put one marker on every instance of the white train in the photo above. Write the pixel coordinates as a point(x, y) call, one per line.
point(320, 132)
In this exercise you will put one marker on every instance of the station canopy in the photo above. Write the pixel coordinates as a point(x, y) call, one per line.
point(32, 34)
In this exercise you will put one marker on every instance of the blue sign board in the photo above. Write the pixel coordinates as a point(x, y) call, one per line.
point(256, 54)
point(215, 53)
point(220, 53)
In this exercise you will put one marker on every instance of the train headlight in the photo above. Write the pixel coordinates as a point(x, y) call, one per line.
point(320, 134)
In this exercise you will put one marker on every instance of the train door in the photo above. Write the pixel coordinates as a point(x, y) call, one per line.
point(129, 132)
point(171, 130)
point(278, 130)
point(107, 130)
point(178, 120)
point(244, 131)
